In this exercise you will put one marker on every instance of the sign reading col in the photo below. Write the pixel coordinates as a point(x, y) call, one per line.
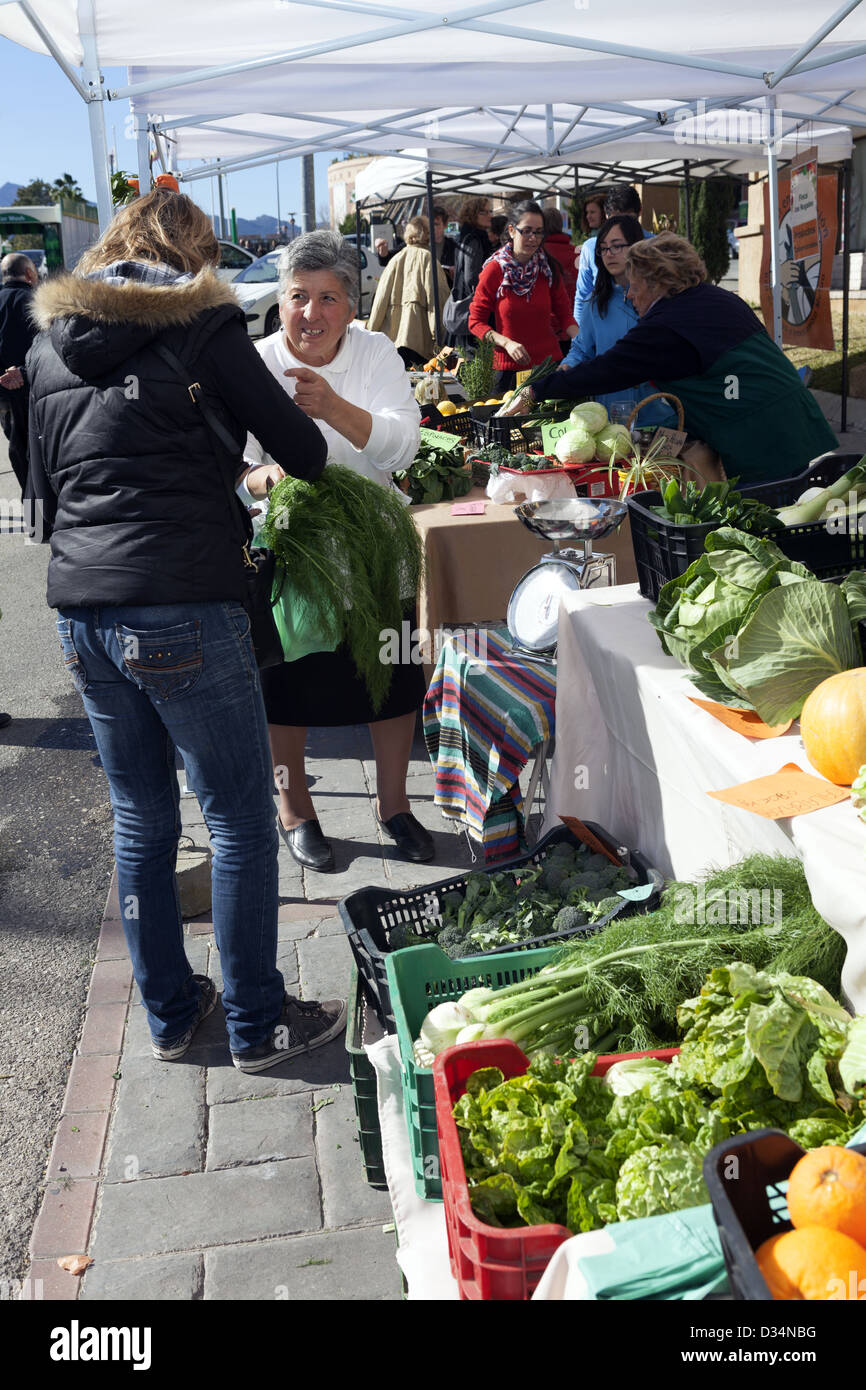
point(807, 243)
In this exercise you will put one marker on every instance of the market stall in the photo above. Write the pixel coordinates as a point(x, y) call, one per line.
point(637, 754)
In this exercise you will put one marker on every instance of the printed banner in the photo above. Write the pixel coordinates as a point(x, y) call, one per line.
point(807, 244)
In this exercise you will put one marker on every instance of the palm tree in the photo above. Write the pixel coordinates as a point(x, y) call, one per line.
point(66, 187)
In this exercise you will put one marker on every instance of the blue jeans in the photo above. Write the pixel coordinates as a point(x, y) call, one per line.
point(184, 676)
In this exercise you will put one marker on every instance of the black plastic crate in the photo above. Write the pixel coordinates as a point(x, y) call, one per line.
point(448, 424)
point(371, 915)
point(664, 550)
point(365, 1026)
point(748, 1200)
point(505, 430)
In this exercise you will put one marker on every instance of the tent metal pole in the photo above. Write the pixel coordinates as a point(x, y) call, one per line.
point(434, 266)
point(142, 143)
point(277, 170)
point(358, 249)
point(549, 131)
point(775, 284)
point(95, 112)
point(221, 192)
point(846, 273)
point(687, 199)
point(308, 194)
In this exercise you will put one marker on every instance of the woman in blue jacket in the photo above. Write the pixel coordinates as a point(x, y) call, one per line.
point(608, 316)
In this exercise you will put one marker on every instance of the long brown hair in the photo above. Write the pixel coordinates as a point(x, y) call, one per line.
point(161, 226)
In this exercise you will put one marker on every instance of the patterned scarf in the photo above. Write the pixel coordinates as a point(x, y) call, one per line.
point(120, 272)
point(521, 278)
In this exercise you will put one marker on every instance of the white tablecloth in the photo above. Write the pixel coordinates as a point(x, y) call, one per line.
point(636, 755)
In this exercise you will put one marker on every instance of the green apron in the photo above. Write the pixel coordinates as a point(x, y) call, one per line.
point(753, 409)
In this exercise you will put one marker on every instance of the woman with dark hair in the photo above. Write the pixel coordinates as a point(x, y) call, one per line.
point(522, 290)
point(147, 573)
point(609, 315)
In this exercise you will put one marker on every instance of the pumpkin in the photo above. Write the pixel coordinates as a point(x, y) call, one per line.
point(833, 726)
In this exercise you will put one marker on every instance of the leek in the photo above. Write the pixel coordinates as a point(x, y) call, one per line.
point(804, 513)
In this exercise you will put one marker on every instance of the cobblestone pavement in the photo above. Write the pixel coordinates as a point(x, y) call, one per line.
point(191, 1180)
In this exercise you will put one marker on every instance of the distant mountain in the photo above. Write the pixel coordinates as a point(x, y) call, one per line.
point(7, 194)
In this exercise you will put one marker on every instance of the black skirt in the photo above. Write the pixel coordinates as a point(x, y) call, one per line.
point(325, 689)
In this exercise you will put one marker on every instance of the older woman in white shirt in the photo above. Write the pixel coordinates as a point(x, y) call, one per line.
point(354, 385)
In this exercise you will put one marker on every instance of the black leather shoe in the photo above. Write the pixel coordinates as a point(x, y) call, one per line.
point(4, 720)
point(412, 839)
point(308, 845)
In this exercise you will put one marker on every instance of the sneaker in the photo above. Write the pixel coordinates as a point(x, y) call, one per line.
point(170, 1051)
point(302, 1027)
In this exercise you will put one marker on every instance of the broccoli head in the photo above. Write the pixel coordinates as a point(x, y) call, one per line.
point(600, 906)
point(555, 873)
point(451, 937)
point(568, 919)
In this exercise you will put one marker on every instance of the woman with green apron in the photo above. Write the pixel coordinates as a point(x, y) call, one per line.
point(739, 392)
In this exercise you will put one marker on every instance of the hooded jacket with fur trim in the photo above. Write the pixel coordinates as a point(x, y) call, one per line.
point(123, 469)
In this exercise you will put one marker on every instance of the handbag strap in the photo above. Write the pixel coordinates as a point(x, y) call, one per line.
point(219, 432)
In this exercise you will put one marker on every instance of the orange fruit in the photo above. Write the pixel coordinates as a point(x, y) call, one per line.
point(828, 1188)
point(813, 1264)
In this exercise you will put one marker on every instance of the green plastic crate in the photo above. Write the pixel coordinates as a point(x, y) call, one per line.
point(419, 978)
point(364, 1090)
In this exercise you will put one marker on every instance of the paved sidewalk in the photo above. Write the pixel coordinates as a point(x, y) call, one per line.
point(191, 1180)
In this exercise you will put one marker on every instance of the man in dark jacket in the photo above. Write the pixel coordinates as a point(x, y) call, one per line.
point(18, 276)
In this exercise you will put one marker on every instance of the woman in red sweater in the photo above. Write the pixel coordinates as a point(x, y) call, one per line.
point(520, 290)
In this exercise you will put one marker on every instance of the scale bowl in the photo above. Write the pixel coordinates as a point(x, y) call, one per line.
point(567, 520)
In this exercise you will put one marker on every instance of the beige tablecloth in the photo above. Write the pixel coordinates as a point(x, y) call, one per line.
point(636, 755)
point(474, 562)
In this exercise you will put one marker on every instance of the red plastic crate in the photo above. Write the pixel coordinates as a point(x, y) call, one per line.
point(490, 1263)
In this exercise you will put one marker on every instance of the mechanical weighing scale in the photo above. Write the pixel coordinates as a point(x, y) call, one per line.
point(533, 609)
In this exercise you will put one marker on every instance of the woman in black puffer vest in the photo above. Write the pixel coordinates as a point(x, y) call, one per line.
point(147, 576)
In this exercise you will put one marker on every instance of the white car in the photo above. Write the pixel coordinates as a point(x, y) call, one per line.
point(233, 258)
point(256, 289)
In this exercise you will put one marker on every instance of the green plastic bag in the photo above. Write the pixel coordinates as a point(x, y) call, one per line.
point(299, 633)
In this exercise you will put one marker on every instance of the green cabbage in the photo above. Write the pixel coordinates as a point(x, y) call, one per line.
point(614, 442)
point(756, 630)
point(577, 446)
point(592, 414)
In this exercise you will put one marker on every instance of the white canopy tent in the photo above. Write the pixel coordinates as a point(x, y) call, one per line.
point(429, 56)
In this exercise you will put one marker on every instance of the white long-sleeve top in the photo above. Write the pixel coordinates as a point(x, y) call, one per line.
point(369, 373)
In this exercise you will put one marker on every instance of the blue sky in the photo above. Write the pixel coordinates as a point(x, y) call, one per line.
point(45, 133)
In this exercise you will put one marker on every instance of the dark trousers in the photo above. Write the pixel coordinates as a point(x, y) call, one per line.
point(13, 418)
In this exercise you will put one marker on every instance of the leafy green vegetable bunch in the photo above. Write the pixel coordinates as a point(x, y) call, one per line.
point(619, 989)
point(570, 888)
point(757, 630)
point(715, 504)
point(476, 372)
point(561, 1145)
point(497, 456)
point(348, 549)
point(436, 474)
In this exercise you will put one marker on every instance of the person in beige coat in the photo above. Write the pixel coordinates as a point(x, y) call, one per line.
point(403, 307)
